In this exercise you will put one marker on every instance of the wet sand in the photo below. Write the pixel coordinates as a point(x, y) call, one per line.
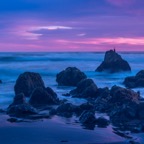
point(54, 131)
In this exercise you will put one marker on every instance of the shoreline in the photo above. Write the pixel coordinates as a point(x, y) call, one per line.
point(53, 131)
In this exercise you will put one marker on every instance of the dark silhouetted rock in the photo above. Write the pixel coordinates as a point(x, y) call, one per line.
point(85, 107)
point(27, 82)
point(102, 101)
point(87, 117)
point(0, 81)
point(113, 62)
point(102, 122)
point(123, 95)
point(43, 97)
point(66, 109)
point(71, 76)
point(19, 99)
point(124, 113)
point(141, 110)
point(21, 110)
point(135, 81)
point(85, 89)
point(19, 107)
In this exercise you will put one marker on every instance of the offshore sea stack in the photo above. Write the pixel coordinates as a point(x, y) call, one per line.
point(71, 76)
point(27, 82)
point(135, 81)
point(113, 63)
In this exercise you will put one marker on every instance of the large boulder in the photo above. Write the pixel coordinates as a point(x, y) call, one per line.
point(86, 88)
point(66, 109)
point(19, 107)
point(19, 99)
point(102, 122)
point(135, 81)
point(124, 113)
point(43, 97)
point(21, 110)
point(123, 105)
point(27, 82)
point(71, 76)
point(102, 101)
point(141, 111)
point(113, 62)
point(122, 95)
point(87, 117)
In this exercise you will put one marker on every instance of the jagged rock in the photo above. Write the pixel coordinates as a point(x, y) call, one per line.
point(135, 81)
point(71, 76)
point(19, 99)
point(102, 122)
point(102, 101)
point(85, 107)
point(123, 95)
point(85, 89)
point(21, 110)
point(141, 110)
point(27, 82)
point(123, 114)
point(113, 62)
point(87, 117)
point(43, 96)
point(66, 110)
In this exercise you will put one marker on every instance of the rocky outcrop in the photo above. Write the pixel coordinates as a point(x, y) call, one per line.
point(71, 76)
point(21, 110)
point(140, 111)
point(27, 82)
point(43, 97)
point(66, 110)
point(102, 122)
point(0, 81)
point(102, 101)
point(87, 117)
point(19, 107)
point(135, 81)
point(113, 62)
point(19, 99)
point(124, 113)
point(122, 95)
point(85, 89)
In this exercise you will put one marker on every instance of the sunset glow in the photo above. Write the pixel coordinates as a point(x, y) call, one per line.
point(72, 26)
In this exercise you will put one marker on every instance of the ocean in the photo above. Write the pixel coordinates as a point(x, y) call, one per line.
point(49, 64)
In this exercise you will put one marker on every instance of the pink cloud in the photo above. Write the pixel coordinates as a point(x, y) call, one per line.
point(114, 41)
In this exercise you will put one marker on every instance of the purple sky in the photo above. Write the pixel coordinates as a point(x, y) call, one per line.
point(71, 25)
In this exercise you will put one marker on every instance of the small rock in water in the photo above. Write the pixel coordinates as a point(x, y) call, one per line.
point(113, 63)
point(135, 81)
point(71, 76)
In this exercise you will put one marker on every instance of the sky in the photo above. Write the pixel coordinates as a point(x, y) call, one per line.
point(71, 25)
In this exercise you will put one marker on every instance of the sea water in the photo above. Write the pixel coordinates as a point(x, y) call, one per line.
point(49, 64)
